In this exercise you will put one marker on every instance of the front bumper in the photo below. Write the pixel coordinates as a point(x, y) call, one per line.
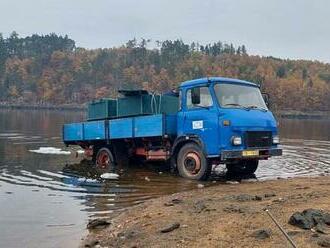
point(263, 154)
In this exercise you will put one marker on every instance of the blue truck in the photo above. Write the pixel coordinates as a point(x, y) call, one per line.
point(218, 120)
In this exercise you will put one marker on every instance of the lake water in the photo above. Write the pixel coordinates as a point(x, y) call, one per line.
point(47, 195)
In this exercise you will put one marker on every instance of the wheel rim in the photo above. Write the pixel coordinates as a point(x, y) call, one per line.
point(103, 160)
point(192, 163)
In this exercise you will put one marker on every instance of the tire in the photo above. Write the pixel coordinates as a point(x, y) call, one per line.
point(104, 160)
point(243, 167)
point(192, 163)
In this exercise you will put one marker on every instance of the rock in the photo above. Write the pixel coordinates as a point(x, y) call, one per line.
point(299, 220)
point(177, 200)
point(232, 182)
point(244, 197)
point(236, 209)
point(326, 218)
point(199, 206)
point(147, 179)
point(268, 195)
point(321, 228)
point(314, 216)
point(258, 198)
point(324, 241)
point(170, 228)
point(311, 218)
point(91, 243)
point(200, 186)
point(98, 224)
point(172, 202)
point(262, 234)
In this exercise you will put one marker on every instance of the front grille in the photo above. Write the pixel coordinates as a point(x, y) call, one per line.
point(258, 139)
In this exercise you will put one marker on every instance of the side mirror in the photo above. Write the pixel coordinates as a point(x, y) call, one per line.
point(266, 99)
point(195, 96)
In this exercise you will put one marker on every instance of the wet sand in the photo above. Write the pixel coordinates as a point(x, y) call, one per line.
point(222, 215)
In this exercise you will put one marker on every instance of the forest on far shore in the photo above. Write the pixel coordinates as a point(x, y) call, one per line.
point(50, 69)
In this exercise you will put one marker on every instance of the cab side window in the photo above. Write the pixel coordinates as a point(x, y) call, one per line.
point(199, 97)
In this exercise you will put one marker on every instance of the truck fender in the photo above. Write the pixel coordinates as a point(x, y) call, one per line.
point(182, 140)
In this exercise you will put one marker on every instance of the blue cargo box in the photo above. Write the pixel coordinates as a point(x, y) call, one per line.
point(73, 132)
point(132, 127)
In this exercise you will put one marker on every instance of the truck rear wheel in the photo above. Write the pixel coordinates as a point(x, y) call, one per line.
point(104, 160)
point(192, 163)
point(243, 167)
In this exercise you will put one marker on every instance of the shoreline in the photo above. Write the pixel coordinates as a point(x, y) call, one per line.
point(294, 114)
point(287, 114)
point(44, 107)
point(221, 215)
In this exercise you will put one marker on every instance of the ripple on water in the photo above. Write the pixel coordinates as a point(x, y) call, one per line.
point(101, 197)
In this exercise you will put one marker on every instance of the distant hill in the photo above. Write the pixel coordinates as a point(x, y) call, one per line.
point(50, 69)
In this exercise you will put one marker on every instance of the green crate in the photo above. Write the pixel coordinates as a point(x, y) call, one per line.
point(169, 104)
point(129, 106)
point(160, 104)
point(104, 108)
point(132, 105)
point(146, 105)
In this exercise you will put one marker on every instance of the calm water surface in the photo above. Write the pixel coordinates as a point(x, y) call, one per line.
point(47, 195)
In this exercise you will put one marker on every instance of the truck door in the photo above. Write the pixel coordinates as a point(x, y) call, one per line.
point(200, 117)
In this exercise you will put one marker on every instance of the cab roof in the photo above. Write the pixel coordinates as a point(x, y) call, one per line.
point(203, 81)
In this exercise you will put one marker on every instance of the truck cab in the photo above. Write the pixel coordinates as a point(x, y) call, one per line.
point(222, 120)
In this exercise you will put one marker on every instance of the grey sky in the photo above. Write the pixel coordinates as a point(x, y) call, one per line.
point(282, 28)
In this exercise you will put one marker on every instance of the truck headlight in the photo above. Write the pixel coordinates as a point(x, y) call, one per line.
point(276, 139)
point(236, 140)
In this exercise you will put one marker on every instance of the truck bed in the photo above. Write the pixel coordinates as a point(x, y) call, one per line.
point(123, 128)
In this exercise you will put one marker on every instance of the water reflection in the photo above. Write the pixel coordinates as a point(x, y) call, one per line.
point(39, 192)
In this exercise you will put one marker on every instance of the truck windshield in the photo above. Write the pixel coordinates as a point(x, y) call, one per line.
point(239, 96)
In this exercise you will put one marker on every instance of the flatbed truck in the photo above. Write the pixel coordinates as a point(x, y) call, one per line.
point(219, 120)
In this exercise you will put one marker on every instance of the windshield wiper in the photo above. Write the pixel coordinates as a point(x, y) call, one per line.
point(256, 107)
point(201, 106)
point(236, 105)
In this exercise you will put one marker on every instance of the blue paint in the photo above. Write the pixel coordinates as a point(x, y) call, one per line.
point(171, 125)
point(148, 126)
point(94, 130)
point(121, 128)
point(73, 132)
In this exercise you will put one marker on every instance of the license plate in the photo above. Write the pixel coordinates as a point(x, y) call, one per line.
point(250, 153)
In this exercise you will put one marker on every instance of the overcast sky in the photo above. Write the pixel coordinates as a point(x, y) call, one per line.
point(281, 28)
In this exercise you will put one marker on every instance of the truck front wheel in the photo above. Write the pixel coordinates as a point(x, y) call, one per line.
point(243, 167)
point(192, 163)
point(104, 160)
